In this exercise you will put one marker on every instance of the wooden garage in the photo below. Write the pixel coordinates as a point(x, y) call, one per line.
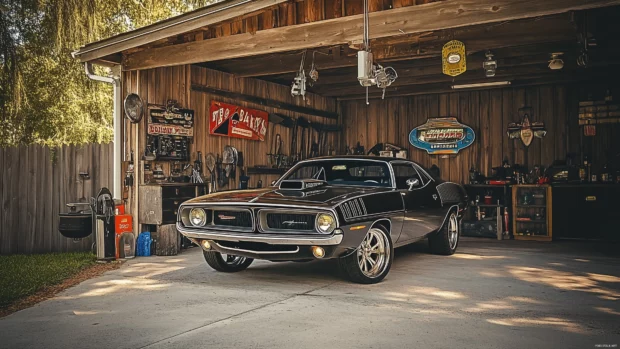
point(555, 62)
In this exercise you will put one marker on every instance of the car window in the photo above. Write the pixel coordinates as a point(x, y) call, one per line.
point(403, 172)
point(344, 172)
point(424, 174)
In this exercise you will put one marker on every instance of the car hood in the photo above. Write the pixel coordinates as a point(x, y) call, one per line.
point(323, 196)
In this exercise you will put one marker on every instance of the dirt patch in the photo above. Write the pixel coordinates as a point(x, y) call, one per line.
point(50, 291)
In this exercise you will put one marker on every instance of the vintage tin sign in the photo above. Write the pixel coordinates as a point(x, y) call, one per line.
point(171, 130)
point(178, 122)
point(442, 136)
point(526, 130)
point(454, 61)
point(238, 122)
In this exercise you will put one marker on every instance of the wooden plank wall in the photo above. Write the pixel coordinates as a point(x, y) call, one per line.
point(36, 183)
point(156, 86)
point(488, 112)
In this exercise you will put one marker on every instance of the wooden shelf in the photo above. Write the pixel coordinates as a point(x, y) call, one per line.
point(532, 237)
point(538, 221)
point(608, 120)
point(536, 189)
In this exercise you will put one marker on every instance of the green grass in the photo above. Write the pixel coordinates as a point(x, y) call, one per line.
point(23, 275)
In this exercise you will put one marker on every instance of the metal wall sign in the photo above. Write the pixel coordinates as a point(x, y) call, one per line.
point(442, 136)
point(238, 122)
point(526, 130)
point(177, 122)
point(454, 61)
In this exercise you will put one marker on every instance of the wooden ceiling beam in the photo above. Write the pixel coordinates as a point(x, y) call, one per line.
point(477, 39)
point(343, 30)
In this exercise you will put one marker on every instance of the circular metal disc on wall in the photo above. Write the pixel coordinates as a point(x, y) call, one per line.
point(134, 108)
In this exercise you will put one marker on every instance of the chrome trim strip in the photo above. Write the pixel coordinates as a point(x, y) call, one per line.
point(272, 239)
point(255, 252)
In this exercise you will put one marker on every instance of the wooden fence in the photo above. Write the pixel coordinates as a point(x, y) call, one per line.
point(35, 184)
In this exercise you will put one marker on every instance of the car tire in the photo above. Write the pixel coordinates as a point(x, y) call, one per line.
point(230, 264)
point(446, 240)
point(357, 265)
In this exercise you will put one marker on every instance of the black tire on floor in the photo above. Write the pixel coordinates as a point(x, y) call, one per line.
point(350, 264)
point(217, 262)
point(439, 242)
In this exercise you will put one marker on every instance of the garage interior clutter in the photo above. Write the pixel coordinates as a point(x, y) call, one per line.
point(521, 105)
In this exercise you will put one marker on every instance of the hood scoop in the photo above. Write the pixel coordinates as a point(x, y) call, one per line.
point(300, 184)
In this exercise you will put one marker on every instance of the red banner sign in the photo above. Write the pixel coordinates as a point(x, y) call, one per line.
point(239, 122)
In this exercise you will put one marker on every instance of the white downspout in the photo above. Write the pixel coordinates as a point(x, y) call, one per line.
point(115, 80)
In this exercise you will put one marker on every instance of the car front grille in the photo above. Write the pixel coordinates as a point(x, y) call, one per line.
point(291, 221)
point(233, 218)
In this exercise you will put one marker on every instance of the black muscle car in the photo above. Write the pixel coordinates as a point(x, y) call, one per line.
point(353, 208)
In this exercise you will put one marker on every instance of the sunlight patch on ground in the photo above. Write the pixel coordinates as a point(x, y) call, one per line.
point(478, 257)
point(119, 286)
point(608, 311)
point(566, 280)
point(524, 300)
point(148, 270)
point(432, 291)
point(490, 306)
point(553, 322)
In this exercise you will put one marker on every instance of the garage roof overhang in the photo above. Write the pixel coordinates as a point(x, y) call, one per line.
point(521, 32)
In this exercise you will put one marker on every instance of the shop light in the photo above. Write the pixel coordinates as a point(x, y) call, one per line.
point(482, 84)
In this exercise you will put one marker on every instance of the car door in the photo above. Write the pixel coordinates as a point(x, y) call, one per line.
point(431, 204)
point(419, 217)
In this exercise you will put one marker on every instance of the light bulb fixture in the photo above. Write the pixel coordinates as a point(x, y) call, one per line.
point(556, 63)
point(481, 85)
point(490, 65)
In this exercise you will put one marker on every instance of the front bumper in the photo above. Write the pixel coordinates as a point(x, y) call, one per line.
point(271, 239)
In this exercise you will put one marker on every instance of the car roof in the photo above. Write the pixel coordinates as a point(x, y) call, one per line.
point(360, 157)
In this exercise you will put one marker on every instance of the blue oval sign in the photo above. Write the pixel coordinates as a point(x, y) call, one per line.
point(442, 136)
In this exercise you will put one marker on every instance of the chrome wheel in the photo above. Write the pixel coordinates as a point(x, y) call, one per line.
point(373, 255)
point(453, 231)
point(233, 260)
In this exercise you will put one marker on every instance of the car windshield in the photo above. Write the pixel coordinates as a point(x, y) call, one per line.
point(344, 172)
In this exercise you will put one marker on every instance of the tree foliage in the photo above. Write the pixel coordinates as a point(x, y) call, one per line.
point(45, 97)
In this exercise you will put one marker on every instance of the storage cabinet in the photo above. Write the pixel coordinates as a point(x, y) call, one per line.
point(532, 212)
point(159, 204)
point(487, 207)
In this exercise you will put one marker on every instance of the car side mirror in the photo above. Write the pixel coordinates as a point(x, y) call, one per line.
point(412, 183)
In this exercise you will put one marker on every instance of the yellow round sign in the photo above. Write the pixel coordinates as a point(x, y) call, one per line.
point(453, 58)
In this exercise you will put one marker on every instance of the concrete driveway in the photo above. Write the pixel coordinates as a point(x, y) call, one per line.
point(489, 295)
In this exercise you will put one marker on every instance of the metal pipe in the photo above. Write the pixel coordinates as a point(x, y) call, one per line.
point(115, 81)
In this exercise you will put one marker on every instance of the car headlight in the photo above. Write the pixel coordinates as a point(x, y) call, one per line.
point(325, 223)
point(198, 217)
